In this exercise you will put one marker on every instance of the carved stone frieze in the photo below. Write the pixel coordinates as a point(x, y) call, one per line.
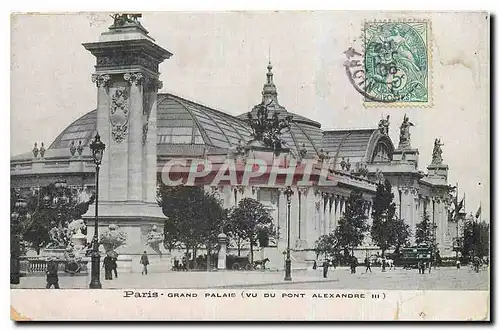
point(127, 59)
point(409, 190)
point(119, 114)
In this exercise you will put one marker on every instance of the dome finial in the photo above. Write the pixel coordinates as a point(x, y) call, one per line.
point(269, 73)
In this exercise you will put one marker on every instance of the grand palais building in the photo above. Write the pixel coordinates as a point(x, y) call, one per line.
point(155, 128)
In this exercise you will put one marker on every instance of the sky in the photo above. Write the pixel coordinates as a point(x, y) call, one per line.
point(220, 60)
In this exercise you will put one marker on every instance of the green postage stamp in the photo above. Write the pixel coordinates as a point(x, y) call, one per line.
point(397, 63)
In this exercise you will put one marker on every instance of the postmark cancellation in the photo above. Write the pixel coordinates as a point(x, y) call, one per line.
point(395, 68)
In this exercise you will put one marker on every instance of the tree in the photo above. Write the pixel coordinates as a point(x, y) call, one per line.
point(249, 221)
point(424, 233)
point(387, 230)
point(50, 207)
point(352, 225)
point(326, 244)
point(475, 239)
point(194, 217)
point(233, 230)
point(399, 235)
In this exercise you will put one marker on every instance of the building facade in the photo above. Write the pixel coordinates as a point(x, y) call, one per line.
point(143, 130)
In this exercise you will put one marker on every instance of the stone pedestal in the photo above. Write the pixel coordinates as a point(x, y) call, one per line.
point(406, 156)
point(438, 174)
point(79, 240)
point(221, 262)
point(126, 77)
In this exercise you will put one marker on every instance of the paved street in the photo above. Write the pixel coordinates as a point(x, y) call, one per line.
point(341, 278)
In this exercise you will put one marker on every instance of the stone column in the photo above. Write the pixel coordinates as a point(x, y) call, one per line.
point(149, 139)
point(282, 216)
point(341, 206)
point(317, 214)
point(331, 206)
point(294, 217)
point(103, 83)
point(135, 161)
point(310, 218)
point(337, 209)
point(323, 214)
point(255, 192)
point(118, 148)
point(303, 213)
point(221, 261)
point(444, 220)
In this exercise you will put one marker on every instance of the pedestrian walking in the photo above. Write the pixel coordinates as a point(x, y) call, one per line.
point(114, 266)
point(354, 263)
point(144, 262)
point(52, 277)
point(326, 264)
point(368, 265)
point(429, 265)
point(315, 265)
point(108, 265)
point(176, 264)
point(458, 264)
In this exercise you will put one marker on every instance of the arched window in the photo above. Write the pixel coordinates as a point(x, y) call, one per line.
point(382, 153)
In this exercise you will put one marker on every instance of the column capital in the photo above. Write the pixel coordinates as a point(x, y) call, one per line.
point(154, 82)
point(239, 188)
point(135, 78)
point(302, 189)
point(101, 80)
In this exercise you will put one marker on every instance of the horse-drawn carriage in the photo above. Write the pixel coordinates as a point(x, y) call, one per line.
point(411, 256)
point(243, 263)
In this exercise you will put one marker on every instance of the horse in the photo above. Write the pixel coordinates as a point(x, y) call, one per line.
point(261, 263)
point(389, 263)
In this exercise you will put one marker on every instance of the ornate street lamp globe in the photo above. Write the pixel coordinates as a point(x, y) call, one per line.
point(60, 184)
point(21, 204)
point(97, 147)
point(14, 216)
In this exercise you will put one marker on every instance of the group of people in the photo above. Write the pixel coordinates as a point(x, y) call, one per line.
point(423, 265)
point(109, 263)
point(110, 266)
point(353, 263)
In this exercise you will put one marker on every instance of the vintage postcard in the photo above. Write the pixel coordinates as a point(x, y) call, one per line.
point(286, 165)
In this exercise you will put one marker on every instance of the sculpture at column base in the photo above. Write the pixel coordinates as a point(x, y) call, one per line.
point(154, 238)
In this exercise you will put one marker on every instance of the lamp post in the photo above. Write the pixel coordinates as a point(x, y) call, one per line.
point(384, 221)
point(97, 147)
point(288, 261)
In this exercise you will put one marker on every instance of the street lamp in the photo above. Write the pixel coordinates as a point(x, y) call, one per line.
point(288, 261)
point(384, 221)
point(97, 147)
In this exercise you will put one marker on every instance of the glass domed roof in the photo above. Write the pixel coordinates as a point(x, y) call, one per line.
point(83, 129)
point(184, 126)
point(180, 122)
